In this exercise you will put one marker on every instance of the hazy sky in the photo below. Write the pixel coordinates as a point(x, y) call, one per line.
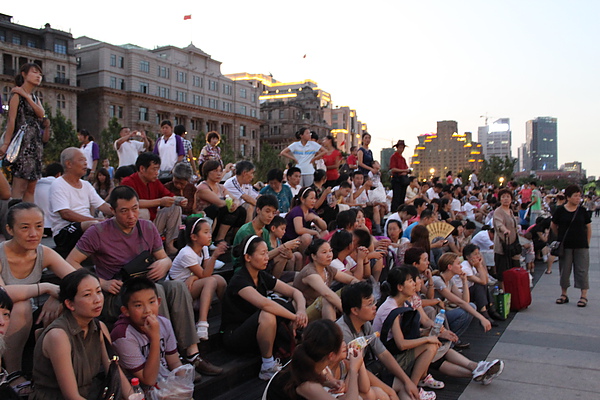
point(402, 65)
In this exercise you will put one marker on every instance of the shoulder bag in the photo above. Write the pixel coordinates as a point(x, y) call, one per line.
point(140, 264)
point(557, 248)
point(106, 385)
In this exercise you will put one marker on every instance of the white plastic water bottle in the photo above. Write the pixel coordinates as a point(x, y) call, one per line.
point(438, 323)
point(138, 393)
point(363, 341)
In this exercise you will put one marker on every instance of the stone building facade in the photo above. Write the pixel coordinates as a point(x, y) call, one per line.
point(447, 150)
point(142, 87)
point(49, 48)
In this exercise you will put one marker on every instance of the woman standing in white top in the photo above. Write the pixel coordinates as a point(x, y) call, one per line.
point(303, 152)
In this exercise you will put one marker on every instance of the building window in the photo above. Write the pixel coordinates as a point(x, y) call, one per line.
point(254, 97)
point(143, 113)
point(161, 117)
point(182, 96)
point(113, 82)
point(31, 43)
point(270, 115)
point(121, 62)
point(119, 111)
point(243, 150)
point(335, 117)
point(113, 60)
point(5, 93)
point(197, 81)
point(212, 103)
point(243, 110)
point(144, 87)
point(144, 66)
point(197, 100)
point(243, 93)
point(2, 36)
point(60, 101)
point(122, 84)
point(16, 39)
point(163, 92)
point(60, 71)
point(111, 111)
point(181, 77)
point(253, 113)
point(163, 72)
point(213, 85)
point(281, 114)
point(60, 46)
point(242, 131)
point(227, 89)
point(253, 136)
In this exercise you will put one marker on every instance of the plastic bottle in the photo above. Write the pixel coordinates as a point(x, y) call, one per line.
point(138, 393)
point(438, 323)
point(363, 341)
point(496, 291)
point(228, 202)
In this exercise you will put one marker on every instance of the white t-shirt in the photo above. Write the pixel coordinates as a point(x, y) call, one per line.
point(468, 270)
point(456, 206)
point(338, 264)
point(129, 151)
point(167, 152)
point(41, 197)
point(236, 190)
point(304, 155)
point(296, 190)
point(431, 194)
point(187, 257)
point(362, 198)
point(468, 208)
point(483, 241)
point(63, 196)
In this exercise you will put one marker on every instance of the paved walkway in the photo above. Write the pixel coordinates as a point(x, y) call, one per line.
point(551, 351)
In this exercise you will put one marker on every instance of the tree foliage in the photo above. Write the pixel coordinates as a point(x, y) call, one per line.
point(63, 135)
point(494, 168)
point(107, 138)
point(268, 160)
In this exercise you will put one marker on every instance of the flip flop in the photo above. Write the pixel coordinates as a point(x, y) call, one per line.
point(563, 299)
point(548, 272)
point(582, 302)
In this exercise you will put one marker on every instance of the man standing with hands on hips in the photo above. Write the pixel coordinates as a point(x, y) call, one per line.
point(399, 170)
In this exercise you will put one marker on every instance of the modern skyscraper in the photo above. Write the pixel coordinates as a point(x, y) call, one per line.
point(496, 138)
point(542, 143)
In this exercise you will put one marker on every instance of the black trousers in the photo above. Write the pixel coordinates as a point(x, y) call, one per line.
point(399, 185)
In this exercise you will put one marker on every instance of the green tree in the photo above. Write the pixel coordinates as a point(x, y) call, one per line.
point(268, 160)
point(107, 139)
point(494, 168)
point(227, 153)
point(198, 143)
point(63, 135)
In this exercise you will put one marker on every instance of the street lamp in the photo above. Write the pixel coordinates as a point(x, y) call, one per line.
point(501, 180)
point(432, 171)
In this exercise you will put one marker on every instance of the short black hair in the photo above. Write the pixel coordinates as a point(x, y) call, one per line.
point(364, 237)
point(571, 190)
point(53, 169)
point(319, 175)
point(278, 220)
point(275, 175)
point(267, 200)
point(340, 241)
point(353, 295)
point(146, 159)
point(413, 255)
point(124, 171)
point(345, 219)
point(5, 300)
point(166, 122)
point(426, 213)
point(121, 193)
point(292, 170)
point(134, 285)
point(211, 135)
point(179, 130)
point(418, 203)
point(345, 185)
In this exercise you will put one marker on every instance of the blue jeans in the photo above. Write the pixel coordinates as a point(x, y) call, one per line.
point(459, 319)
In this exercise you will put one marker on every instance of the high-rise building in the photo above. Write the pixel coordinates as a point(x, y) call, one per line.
point(142, 87)
point(444, 151)
point(386, 154)
point(542, 143)
point(524, 161)
point(575, 166)
point(495, 139)
point(49, 48)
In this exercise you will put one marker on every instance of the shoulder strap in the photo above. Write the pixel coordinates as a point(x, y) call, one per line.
point(109, 349)
point(409, 325)
point(139, 227)
point(570, 223)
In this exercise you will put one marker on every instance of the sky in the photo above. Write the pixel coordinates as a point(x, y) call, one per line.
point(403, 65)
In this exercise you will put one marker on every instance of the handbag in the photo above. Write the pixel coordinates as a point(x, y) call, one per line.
point(15, 145)
point(139, 265)
point(557, 248)
point(513, 248)
point(106, 385)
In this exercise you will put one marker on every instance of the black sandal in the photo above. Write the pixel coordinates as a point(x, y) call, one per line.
point(582, 302)
point(563, 299)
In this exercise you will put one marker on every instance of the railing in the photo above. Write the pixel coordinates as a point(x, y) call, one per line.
point(64, 81)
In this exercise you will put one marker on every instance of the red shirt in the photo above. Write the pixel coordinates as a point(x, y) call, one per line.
point(397, 161)
point(332, 174)
point(352, 160)
point(150, 191)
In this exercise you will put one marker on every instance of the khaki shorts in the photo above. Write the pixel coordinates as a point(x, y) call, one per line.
point(406, 360)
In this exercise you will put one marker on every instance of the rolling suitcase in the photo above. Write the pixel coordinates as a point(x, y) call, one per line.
point(516, 282)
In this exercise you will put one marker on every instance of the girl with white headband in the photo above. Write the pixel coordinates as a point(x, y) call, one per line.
point(250, 319)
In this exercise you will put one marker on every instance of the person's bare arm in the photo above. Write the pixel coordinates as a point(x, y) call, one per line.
point(316, 282)
point(13, 105)
point(287, 153)
point(4, 188)
point(57, 348)
point(360, 163)
point(72, 216)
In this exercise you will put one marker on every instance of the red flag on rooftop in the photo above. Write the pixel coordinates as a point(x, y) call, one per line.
point(187, 17)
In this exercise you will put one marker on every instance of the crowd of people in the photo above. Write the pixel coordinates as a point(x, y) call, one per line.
point(322, 255)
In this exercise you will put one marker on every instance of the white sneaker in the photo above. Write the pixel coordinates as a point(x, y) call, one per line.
point(545, 257)
point(492, 281)
point(495, 368)
point(202, 330)
point(218, 265)
point(267, 373)
point(478, 373)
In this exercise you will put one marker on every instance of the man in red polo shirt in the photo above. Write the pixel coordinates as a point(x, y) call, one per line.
point(153, 194)
point(399, 170)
